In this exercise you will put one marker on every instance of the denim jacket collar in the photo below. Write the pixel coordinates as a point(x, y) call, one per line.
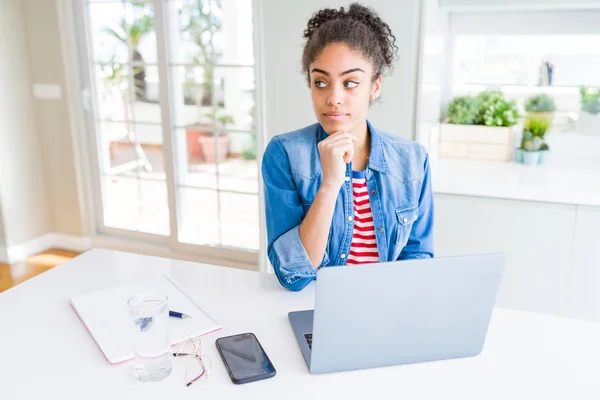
point(376, 157)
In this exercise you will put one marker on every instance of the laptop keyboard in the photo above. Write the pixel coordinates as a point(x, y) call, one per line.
point(308, 337)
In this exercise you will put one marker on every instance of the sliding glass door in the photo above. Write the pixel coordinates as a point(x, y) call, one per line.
point(173, 116)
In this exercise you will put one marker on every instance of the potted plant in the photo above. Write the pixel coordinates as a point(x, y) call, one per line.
point(589, 117)
point(462, 110)
point(215, 149)
point(193, 94)
point(193, 133)
point(544, 152)
point(533, 149)
point(541, 106)
point(479, 127)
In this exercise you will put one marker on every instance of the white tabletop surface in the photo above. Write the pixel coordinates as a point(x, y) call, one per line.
point(46, 352)
point(571, 176)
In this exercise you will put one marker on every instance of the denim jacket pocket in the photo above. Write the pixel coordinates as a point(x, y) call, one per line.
point(406, 215)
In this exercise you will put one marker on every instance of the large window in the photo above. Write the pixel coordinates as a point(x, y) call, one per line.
point(519, 59)
point(173, 84)
point(523, 65)
point(525, 53)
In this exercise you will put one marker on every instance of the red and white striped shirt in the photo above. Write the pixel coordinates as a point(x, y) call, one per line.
point(363, 248)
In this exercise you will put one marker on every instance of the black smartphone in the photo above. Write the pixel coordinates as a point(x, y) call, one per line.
point(244, 358)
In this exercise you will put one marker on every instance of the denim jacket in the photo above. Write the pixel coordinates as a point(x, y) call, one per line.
point(399, 184)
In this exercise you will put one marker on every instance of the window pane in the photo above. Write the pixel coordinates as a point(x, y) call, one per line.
point(525, 65)
point(112, 90)
point(233, 174)
point(234, 41)
point(133, 148)
point(235, 90)
point(111, 134)
point(119, 91)
point(192, 170)
point(198, 216)
point(146, 101)
point(191, 97)
point(239, 220)
point(194, 25)
point(108, 40)
point(240, 174)
point(518, 59)
point(215, 31)
point(209, 217)
point(136, 204)
point(122, 32)
point(139, 27)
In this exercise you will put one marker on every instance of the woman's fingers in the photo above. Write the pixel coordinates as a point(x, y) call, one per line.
point(340, 144)
point(344, 149)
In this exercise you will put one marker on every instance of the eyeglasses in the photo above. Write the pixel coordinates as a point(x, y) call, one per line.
point(199, 364)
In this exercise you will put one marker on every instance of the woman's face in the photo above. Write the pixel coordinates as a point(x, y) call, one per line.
point(341, 87)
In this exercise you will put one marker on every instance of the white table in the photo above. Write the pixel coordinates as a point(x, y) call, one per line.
point(46, 352)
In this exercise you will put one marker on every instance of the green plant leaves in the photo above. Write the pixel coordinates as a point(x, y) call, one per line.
point(590, 99)
point(463, 110)
point(540, 103)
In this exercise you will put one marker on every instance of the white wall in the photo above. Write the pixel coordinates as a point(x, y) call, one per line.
point(22, 186)
point(434, 69)
point(288, 102)
point(2, 237)
point(43, 44)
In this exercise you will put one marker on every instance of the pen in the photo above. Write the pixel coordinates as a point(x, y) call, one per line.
point(176, 314)
point(145, 323)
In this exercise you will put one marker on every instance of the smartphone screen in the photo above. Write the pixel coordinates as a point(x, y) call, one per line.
point(244, 358)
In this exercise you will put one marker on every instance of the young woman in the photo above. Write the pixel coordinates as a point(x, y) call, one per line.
point(340, 191)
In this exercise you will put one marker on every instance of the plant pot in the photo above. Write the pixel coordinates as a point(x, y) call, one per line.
point(589, 124)
point(477, 142)
point(547, 116)
point(519, 155)
point(531, 157)
point(192, 135)
point(544, 154)
point(209, 148)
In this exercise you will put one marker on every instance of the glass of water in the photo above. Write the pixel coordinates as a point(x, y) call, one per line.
point(150, 314)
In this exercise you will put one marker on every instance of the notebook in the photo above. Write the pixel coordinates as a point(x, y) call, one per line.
point(106, 316)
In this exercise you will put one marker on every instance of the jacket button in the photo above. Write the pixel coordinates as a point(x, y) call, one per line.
point(347, 179)
point(342, 256)
point(405, 220)
point(374, 192)
point(349, 218)
point(380, 229)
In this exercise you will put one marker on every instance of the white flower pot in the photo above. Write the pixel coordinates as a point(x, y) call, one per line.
point(477, 142)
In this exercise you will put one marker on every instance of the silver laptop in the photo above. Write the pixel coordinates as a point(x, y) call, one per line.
point(401, 312)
